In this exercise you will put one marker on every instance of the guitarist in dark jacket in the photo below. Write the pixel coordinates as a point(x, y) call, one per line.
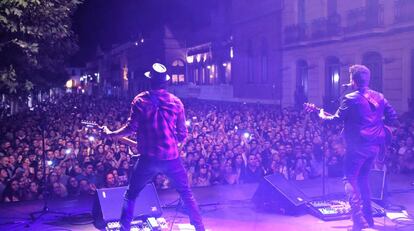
point(362, 112)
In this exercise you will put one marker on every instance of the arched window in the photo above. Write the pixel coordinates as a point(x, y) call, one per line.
point(263, 61)
point(332, 7)
point(332, 80)
point(373, 60)
point(177, 72)
point(412, 80)
point(301, 92)
point(301, 11)
point(250, 62)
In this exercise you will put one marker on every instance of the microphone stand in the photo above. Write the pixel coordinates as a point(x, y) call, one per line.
point(345, 88)
point(45, 209)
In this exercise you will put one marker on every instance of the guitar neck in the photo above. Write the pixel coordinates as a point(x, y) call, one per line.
point(124, 140)
point(312, 108)
point(127, 141)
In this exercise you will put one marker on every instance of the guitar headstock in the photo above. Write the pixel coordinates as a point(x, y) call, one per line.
point(310, 107)
point(90, 124)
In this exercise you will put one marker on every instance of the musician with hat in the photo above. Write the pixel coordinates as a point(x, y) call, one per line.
point(158, 118)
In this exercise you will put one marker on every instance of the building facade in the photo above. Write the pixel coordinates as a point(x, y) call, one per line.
point(283, 52)
point(257, 62)
point(321, 39)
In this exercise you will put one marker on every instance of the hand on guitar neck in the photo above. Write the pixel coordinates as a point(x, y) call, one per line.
point(310, 107)
point(104, 130)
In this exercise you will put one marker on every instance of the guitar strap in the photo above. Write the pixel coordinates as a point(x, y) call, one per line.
point(380, 158)
point(372, 102)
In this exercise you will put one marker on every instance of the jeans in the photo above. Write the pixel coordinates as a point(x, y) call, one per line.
point(357, 164)
point(144, 171)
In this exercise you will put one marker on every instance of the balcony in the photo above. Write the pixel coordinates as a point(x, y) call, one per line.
point(295, 33)
point(404, 11)
point(326, 27)
point(365, 18)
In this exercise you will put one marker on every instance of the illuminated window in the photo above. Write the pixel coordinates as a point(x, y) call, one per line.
point(125, 73)
point(178, 71)
point(227, 72)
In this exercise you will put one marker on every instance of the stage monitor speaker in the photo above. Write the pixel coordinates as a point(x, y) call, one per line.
point(377, 184)
point(275, 193)
point(108, 204)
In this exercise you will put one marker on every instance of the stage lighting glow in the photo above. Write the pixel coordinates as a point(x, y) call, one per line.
point(69, 84)
point(187, 123)
point(190, 59)
point(336, 77)
point(49, 162)
point(91, 138)
point(68, 151)
point(246, 135)
point(235, 127)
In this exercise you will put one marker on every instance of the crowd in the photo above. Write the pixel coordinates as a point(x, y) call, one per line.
point(227, 143)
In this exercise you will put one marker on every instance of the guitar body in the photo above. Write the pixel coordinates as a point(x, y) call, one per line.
point(381, 157)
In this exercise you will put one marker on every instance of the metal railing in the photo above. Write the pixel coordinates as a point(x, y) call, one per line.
point(326, 27)
point(364, 18)
point(295, 33)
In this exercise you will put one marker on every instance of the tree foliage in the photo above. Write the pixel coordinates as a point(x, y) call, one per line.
point(35, 40)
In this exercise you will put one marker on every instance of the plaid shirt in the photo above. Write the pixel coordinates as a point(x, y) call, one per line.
point(159, 119)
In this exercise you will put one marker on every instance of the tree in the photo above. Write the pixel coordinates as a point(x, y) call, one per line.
point(35, 40)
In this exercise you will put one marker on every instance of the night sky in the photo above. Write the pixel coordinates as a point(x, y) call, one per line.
point(105, 22)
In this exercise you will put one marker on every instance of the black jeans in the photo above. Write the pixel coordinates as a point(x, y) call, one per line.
point(144, 171)
point(357, 164)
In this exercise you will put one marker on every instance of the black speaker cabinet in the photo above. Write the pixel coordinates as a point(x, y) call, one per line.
point(277, 194)
point(108, 204)
point(377, 184)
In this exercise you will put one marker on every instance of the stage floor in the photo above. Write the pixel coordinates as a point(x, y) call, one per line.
point(223, 208)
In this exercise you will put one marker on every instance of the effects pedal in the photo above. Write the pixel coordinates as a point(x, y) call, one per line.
point(337, 209)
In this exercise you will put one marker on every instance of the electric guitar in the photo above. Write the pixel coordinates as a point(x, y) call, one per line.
point(310, 107)
point(92, 124)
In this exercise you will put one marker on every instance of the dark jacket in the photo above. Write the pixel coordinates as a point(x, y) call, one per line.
point(364, 113)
